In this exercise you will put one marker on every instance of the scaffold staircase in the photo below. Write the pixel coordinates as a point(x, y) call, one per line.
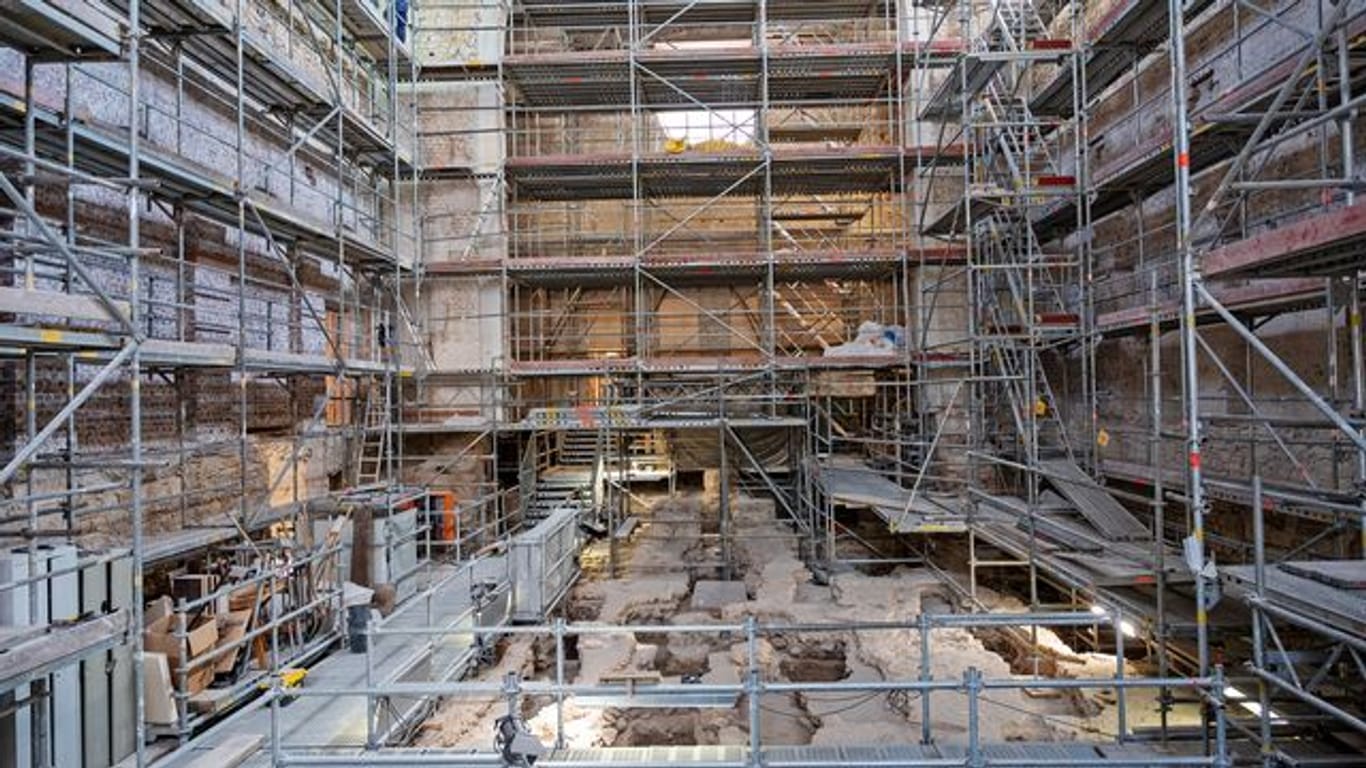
point(1031, 401)
point(559, 488)
point(547, 486)
point(1026, 303)
point(1018, 22)
point(585, 459)
point(581, 448)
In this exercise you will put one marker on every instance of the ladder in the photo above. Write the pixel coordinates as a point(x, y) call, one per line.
point(376, 440)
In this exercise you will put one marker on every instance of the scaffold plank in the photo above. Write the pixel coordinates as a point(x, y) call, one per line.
point(1342, 574)
point(717, 77)
point(1128, 31)
point(1092, 501)
point(95, 346)
point(27, 653)
point(1260, 297)
point(61, 30)
point(1322, 244)
point(704, 267)
point(1147, 167)
point(857, 485)
point(609, 176)
point(692, 13)
point(67, 306)
point(203, 31)
point(104, 153)
point(1343, 609)
point(340, 721)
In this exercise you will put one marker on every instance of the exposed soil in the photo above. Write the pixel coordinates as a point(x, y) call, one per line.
point(656, 574)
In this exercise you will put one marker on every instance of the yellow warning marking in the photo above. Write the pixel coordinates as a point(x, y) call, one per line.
point(48, 336)
point(937, 528)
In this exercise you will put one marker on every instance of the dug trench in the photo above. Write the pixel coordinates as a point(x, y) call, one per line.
point(666, 576)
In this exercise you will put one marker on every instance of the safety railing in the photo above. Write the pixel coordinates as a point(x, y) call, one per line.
point(919, 693)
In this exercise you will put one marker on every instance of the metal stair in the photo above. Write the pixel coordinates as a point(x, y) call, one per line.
point(560, 488)
point(1025, 304)
point(1016, 22)
point(582, 457)
point(581, 448)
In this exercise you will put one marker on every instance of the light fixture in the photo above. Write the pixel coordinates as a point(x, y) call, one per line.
point(1233, 694)
point(1126, 627)
point(1256, 709)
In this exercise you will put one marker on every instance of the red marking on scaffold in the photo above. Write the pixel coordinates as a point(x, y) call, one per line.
point(1184, 160)
point(1056, 181)
point(1195, 461)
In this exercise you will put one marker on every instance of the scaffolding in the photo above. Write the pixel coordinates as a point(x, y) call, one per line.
point(1065, 163)
point(210, 231)
point(655, 244)
point(994, 419)
point(1004, 326)
point(699, 206)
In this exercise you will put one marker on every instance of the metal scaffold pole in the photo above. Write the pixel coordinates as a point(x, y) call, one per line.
point(1189, 352)
point(135, 371)
point(215, 281)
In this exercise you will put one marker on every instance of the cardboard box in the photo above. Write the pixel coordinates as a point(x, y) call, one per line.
point(200, 678)
point(164, 643)
point(203, 636)
point(231, 628)
point(158, 612)
point(246, 598)
point(160, 639)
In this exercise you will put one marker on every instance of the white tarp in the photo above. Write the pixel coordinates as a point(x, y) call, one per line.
point(873, 339)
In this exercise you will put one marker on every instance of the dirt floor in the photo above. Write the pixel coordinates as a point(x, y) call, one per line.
point(657, 570)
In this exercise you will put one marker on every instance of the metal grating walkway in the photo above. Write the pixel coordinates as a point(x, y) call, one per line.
point(888, 756)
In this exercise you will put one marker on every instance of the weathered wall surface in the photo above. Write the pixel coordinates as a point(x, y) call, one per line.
point(202, 488)
point(464, 322)
point(193, 419)
point(463, 213)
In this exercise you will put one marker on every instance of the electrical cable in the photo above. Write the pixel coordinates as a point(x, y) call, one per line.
point(1050, 718)
point(854, 705)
